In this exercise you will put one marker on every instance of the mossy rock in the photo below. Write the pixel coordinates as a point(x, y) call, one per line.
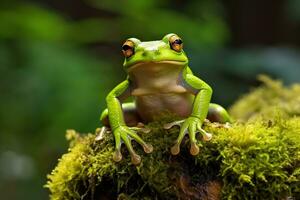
point(258, 157)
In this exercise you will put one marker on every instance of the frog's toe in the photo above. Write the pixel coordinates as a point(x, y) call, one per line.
point(183, 131)
point(141, 129)
point(145, 130)
point(117, 157)
point(135, 159)
point(207, 136)
point(227, 125)
point(194, 150)
point(175, 149)
point(168, 125)
point(100, 132)
point(148, 148)
point(171, 124)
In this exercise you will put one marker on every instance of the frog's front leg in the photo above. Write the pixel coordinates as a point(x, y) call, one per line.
point(131, 117)
point(130, 114)
point(123, 133)
point(193, 123)
point(216, 113)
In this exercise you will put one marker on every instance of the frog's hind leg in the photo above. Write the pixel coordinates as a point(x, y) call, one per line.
point(217, 113)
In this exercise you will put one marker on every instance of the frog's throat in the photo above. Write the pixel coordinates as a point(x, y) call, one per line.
point(169, 62)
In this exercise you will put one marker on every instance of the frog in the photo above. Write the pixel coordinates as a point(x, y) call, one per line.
point(159, 82)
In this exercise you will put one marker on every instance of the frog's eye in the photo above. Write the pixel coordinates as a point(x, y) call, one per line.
point(128, 48)
point(176, 43)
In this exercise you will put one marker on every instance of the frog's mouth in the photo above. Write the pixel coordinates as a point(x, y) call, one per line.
point(157, 64)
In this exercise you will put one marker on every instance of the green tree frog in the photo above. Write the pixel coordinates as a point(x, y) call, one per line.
point(160, 82)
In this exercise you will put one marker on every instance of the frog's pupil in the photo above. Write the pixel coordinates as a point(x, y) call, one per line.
point(177, 41)
point(126, 47)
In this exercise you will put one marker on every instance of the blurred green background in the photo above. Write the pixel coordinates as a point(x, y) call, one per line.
point(59, 59)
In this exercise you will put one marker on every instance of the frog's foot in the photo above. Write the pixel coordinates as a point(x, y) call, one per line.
point(126, 134)
point(100, 132)
point(189, 126)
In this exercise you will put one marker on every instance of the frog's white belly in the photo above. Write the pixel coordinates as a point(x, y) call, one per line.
point(153, 106)
point(158, 91)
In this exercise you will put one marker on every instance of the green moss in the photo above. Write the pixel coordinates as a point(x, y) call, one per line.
point(257, 158)
point(262, 101)
point(83, 167)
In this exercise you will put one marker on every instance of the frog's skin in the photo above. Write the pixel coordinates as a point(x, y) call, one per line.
point(160, 82)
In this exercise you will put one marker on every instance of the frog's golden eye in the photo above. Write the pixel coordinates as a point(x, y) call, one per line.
point(128, 48)
point(176, 43)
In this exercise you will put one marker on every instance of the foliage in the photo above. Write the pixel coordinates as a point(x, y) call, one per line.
point(257, 158)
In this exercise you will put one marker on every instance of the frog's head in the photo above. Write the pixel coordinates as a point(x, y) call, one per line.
point(168, 50)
